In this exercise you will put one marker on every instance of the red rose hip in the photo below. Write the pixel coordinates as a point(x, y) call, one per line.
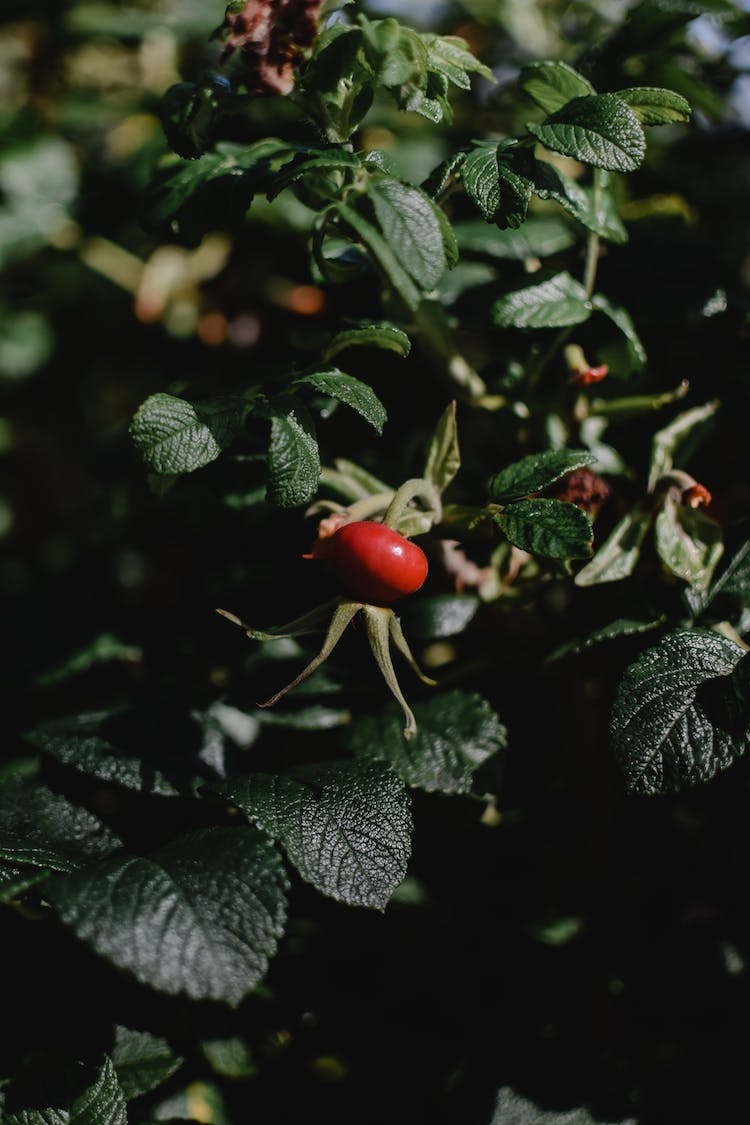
point(373, 562)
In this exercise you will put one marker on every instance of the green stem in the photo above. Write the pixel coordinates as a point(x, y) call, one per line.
point(408, 491)
point(378, 632)
point(341, 618)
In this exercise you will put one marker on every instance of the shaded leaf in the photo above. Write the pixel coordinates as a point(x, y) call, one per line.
point(53, 1102)
point(214, 898)
point(345, 826)
point(142, 1061)
point(513, 1109)
point(535, 472)
point(539, 237)
point(618, 555)
point(654, 106)
point(43, 829)
point(667, 735)
point(456, 732)
point(443, 453)
point(377, 334)
point(621, 318)
point(678, 438)
point(383, 253)
point(688, 542)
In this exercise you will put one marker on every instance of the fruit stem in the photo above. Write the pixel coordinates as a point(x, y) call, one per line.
point(378, 620)
point(341, 618)
point(408, 491)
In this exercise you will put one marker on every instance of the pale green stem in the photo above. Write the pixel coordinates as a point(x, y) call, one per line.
point(311, 622)
point(378, 632)
point(409, 491)
point(341, 618)
point(401, 643)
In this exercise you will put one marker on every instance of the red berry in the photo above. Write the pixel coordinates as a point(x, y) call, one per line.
point(374, 564)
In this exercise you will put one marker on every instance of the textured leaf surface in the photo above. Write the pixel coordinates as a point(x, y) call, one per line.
point(500, 191)
point(142, 1061)
point(346, 826)
point(408, 221)
point(513, 1109)
point(456, 732)
point(293, 459)
point(655, 106)
point(553, 84)
point(94, 743)
point(552, 528)
point(175, 436)
point(666, 734)
point(599, 129)
point(101, 1103)
point(555, 303)
point(377, 334)
point(535, 472)
point(349, 390)
point(41, 828)
point(200, 916)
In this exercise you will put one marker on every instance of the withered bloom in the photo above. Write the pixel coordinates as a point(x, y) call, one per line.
point(271, 35)
point(585, 489)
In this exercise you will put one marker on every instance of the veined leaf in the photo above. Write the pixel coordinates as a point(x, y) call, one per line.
point(142, 1061)
point(356, 394)
point(552, 528)
point(553, 84)
point(55, 1103)
point(599, 129)
point(175, 436)
point(618, 555)
point(381, 250)
point(214, 898)
point(377, 334)
point(443, 454)
point(456, 732)
point(677, 720)
point(496, 183)
point(688, 542)
point(42, 829)
point(513, 1109)
point(293, 458)
point(621, 318)
point(407, 218)
point(654, 106)
point(345, 826)
point(555, 303)
point(535, 472)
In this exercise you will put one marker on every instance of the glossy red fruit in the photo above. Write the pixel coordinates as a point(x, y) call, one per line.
point(374, 564)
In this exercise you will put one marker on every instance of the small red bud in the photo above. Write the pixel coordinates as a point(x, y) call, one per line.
point(590, 375)
point(696, 496)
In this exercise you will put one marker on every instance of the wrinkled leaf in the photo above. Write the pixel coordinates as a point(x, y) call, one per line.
point(553, 84)
point(175, 436)
point(345, 826)
point(215, 899)
point(654, 106)
point(668, 731)
point(293, 458)
point(407, 218)
point(552, 528)
point(536, 472)
point(456, 732)
point(43, 829)
point(555, 303)
point(142, 1061)
point(356, 394)
point(599, 129)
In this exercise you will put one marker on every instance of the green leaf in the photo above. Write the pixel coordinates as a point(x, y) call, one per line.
point(26, 341)
point(494, 181)
point(553, 84)
point(555, 303)
point(293, 458)
point(411, 228)
point(552, 528)
point(142, 1061)
point(734, 579)
point(334, 159)
point(383, 253)
point(596, 211)
point(688, 542)
point(440, 615)
point(539, 237)
point(345, 826)
point(535, 472)
point(375, 334)
point(101, 650)
point(230, 1057)
point(356, 394)
point(599, 129)
point(450, 55)
point(15, 881)
point(675, 721)
point(678, 439)
point(53, 1102)
point(443, 453)
point(618, 555)
point(215, 899)
point(175, 436)
point(654, 106)
point(456, 732)
point(513, 1109)
point(621, 318)
point(191, 197)
point(42, 829)
point(620, 627)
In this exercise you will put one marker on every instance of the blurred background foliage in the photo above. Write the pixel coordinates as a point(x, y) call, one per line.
point(543, 947)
